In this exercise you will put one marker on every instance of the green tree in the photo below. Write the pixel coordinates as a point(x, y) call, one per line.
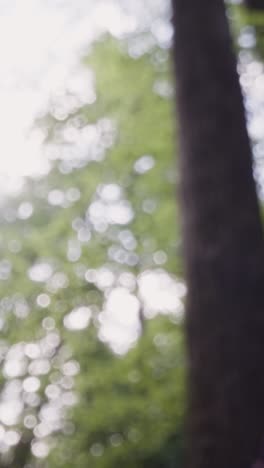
point(74, 397)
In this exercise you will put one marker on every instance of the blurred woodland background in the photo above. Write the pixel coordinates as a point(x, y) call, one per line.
point(91, 286)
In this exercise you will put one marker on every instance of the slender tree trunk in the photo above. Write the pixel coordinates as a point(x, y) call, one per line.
point(255, 4)
point(223, 244)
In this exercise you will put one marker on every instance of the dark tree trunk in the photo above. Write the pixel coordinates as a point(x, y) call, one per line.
point(223, 244)
point(255, 4)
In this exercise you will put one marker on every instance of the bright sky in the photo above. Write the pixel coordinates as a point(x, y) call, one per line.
point(40, 46)
point(41, 42)
point(33, 62)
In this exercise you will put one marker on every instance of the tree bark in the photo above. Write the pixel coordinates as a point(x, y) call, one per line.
point(255, 4)
point(223, 244)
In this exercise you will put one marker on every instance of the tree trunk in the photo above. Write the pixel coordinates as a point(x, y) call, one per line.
point(223, 244)
point(255, 4)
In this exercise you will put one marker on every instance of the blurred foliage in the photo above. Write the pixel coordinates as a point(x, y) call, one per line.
point(127, 411)
point(248, 26)
point(66, 398)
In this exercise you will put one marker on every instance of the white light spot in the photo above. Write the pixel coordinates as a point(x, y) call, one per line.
point(144, 164)
point(78, 319)
point(163, 32)
point(10, 412)
point(40, 449)
point(120, 326)
point(12, 438)
point(39, 367)
point(21, 309)
point(58, 281)
point(91, 276)
point(110, 192)
point(2, 433)
point(247, 38)
point(71, 368)
point(161, 293)
point(52, 392)
point(30, 421)
point(127, 280)
point(14, 367)
point(160, 257)
point(43, 300)
point(32, 350)
point(31, 384)
point(42, 430)
point(5, 269)
point(40, 272)
point(25, 210)
point(120, 212)
point(105, 278)
point(50, 412)
point(31, 399)
point(56, 197)
point(74, 250)
point(163, 88)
